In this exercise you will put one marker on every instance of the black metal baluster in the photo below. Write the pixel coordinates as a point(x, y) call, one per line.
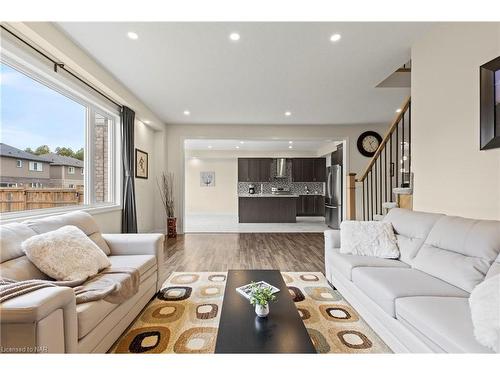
point(380, 180)
point(409, 142)
point(385, 171)
point(391, 166)
point(376, 192)
point(397, 155)
point(403, 180)
point(371, 193)
point(363, 183)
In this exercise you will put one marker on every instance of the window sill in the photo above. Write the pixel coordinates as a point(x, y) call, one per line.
point(11, 217)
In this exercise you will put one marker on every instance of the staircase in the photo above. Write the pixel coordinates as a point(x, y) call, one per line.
point(387, 181)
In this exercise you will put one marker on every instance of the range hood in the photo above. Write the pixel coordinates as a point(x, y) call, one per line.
point(280, 168)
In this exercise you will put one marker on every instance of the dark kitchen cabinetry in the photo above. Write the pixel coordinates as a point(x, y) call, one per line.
point(254, 169)
point(311, 205)
point(309, 169)
point(267, 209)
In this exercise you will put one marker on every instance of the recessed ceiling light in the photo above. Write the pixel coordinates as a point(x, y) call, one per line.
point(237, 146)
point(234, 37)
point(398, 110)
point(147, 122)
point(335, 37)
point(132, 35)
point(288, 113)
point(290, 142)
point(186, 113)
point(290, 146)
point(209, 146)
point(241, 142)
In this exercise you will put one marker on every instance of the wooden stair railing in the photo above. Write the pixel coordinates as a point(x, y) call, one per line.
point(389, 168)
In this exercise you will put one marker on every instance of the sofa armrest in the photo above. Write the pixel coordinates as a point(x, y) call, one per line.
point(140, 244)
point(137, 244)
point(44, 320)
point(332, 239)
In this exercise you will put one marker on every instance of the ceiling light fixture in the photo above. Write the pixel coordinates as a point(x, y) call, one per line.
point(288, 113)
point(209, 146)
point(290, 146)
point(234, 37)
point(335, 37)
point(186, 113)
point(147, 122)
point(237, 146)
point(132, 35)
point(290, 142)
point(398, 110)
point(241, 142)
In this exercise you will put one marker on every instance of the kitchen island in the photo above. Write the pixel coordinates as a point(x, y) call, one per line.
point(267, 208)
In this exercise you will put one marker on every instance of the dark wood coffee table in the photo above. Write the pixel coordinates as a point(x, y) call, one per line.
point(241, 331)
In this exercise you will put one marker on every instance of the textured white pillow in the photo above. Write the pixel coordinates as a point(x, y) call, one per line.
point(65, 254)
point(371, 238)
point(484, 303)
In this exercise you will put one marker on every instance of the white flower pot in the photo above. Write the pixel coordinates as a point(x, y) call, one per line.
point(262, 311)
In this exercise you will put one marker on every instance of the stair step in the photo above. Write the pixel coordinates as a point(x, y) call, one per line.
point(378, 217)
point(389, 205)
point(402, 191)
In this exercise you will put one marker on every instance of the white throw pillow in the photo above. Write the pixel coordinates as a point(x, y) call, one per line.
point(65, 254)
point(370, 238)
point(484, 303)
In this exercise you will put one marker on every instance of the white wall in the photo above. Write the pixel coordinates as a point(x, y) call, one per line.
point(149, 138)
point(145, 190)
point(176, 134)
point(222, 199)
point(451, 174)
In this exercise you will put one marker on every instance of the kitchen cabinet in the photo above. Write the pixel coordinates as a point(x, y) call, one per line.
point(309, 169)
point(267, 209)
point(311, 205)
point(254, 169)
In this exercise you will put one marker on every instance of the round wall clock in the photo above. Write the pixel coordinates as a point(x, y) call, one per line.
point(368, 143)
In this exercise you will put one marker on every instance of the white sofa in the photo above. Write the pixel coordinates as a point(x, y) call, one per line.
point(419, 303)
point(48, 320)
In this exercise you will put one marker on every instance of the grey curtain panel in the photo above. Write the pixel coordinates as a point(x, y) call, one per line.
point(129, 216)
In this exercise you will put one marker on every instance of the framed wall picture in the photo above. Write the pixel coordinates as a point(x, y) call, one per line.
point(141, 164)
point(490, 104)
point(207, 179)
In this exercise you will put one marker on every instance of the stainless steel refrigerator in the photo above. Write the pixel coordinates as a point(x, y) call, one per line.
point(333, 197)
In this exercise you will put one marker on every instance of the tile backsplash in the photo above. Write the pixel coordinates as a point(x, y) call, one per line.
point(287, 183)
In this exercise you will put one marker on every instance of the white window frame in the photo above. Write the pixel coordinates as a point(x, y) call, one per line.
point(19, 163)
point(71, 170)
point(34, 166)
point(32, 67)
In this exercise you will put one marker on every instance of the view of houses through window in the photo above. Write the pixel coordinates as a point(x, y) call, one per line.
point(43, 148)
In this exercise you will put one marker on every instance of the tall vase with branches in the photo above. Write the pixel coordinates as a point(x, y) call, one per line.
point(166, 187)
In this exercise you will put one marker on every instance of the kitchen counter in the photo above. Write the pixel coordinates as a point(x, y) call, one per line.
point(246, 195)
point(267, 208)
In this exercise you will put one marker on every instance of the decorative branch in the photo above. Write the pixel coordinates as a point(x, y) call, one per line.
point(166, 187)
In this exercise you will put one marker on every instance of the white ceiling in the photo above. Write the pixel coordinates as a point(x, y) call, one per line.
point(273, 68)
point(255, 145)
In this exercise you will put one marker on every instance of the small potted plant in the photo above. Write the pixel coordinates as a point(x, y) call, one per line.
point(260, 296)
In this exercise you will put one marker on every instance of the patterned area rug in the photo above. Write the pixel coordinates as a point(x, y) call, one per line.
point(184, 317)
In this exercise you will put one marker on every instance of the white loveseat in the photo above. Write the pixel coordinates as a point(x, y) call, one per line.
point(48, 320)
point(419, 303)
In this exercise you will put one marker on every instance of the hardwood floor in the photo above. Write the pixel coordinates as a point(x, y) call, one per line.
point(220, 252)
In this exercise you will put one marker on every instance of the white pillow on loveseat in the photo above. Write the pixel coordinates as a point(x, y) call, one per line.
point(369, 238)
point(65, 254)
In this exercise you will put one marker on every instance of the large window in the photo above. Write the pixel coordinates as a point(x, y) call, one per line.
point(48, 132)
